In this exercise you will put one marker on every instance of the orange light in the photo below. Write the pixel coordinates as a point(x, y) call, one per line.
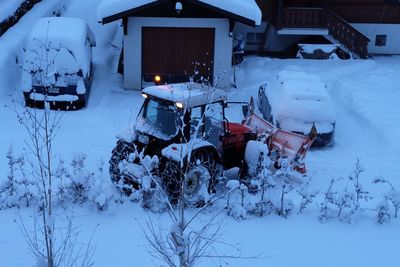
point(157, 78)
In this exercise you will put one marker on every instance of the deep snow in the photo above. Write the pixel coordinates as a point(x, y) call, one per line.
point(366, 96)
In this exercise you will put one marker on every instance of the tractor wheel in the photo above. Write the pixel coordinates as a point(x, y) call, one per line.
point(208, 160)
point(199, 177)
point(197, 184)
point(170, 175)
point(122, 178)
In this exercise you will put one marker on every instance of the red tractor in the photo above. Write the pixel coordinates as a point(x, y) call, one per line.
point(186, 127)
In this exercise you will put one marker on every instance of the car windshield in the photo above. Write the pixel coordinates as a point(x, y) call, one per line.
point(158, 119)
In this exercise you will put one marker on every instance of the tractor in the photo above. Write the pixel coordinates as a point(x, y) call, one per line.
point(185, 127)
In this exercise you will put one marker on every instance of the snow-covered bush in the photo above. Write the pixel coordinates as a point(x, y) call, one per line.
point(79, 185)
point(102, 191)
point(235, 199)
point(384, 211)
point(390, 205)
point(17, 190)
point(307, 195)
point(344, 197)
point(262, 184)
point(286, 176)
point(75, 184)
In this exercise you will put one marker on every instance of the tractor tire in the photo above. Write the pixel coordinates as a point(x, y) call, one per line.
point(208, 160)
point(197, 184)
point(122, 179)
point(199, 176)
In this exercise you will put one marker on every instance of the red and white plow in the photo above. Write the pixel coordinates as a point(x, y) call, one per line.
point(282, 144)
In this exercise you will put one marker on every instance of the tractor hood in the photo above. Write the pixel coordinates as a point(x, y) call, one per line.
point(187, 94)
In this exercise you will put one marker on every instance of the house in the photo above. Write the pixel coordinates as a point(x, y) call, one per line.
point(362, 26)
point(178, 40)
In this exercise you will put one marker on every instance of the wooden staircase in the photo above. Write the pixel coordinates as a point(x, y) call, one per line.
point(323, 18)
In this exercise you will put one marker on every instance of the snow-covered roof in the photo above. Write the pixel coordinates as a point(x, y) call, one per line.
point(247, 9)
point(189, 94)
point(301, 96)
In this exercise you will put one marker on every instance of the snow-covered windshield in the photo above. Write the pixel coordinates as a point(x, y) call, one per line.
point(158, 119)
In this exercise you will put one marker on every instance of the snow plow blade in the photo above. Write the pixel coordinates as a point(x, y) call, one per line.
point(281, 143)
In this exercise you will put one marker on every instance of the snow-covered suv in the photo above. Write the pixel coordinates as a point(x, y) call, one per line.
point(295, 101)
point(57, 63)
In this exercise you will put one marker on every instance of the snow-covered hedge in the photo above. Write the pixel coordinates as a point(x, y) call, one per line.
point(75, 184)
point(12, 12)
point(282, 192)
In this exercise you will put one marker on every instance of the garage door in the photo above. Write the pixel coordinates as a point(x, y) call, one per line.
point(177, 53)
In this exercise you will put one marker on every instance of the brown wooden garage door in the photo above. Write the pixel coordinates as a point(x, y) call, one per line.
point(177, 53)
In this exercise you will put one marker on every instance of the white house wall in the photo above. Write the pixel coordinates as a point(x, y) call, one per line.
point(392, 31)
point(243, 29)
point(275, 42)
point(133, 47)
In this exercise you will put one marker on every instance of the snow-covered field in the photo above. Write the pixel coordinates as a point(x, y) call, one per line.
point(366, 95)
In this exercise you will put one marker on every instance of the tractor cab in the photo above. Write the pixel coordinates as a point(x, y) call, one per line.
point(190, 113)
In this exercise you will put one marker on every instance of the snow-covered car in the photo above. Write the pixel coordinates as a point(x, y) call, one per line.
point(57, 63)
point(295, 101)
point(322, 51)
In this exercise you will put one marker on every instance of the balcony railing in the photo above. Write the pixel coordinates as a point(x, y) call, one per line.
point(302, 18)
point(341, 30)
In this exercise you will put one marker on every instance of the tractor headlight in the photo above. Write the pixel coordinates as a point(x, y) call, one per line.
point(179, 105)
point(144, 95)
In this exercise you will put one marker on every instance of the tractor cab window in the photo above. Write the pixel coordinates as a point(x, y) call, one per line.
point(159, 119)
point(234, 111)
point(213, 122)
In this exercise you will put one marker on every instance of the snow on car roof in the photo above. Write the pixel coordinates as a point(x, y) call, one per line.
point(301, 86)
point(66, 38)
point(244, 8)
point(299, 95)
point(70, 32)
point(189, 94)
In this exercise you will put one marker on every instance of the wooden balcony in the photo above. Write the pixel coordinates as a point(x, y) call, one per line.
point(338, 28)
point(302, 18)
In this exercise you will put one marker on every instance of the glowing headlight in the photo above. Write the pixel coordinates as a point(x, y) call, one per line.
point(179, 105)
point(144, 95)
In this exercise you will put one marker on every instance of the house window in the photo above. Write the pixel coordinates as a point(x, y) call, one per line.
point(380, 40)
point(254, 38)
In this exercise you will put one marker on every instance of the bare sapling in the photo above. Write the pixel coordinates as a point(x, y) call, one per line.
point(52, 237)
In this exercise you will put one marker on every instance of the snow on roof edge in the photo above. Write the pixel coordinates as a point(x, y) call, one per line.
point(247, 9)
